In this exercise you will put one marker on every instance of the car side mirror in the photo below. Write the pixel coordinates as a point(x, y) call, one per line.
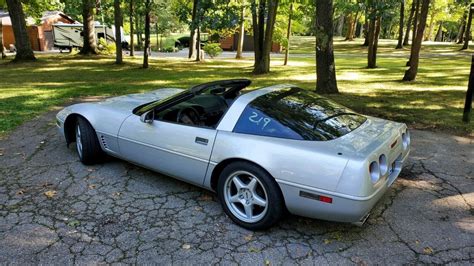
point(148, 117)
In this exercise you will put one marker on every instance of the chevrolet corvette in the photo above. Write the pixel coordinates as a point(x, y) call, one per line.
point(264, 152)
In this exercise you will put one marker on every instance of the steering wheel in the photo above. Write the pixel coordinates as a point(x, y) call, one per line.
point(188, 116)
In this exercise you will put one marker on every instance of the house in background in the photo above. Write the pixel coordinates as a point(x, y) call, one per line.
point(41, 35)
point(229, 43)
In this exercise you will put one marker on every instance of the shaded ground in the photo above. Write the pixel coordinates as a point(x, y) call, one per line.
point(54, 209)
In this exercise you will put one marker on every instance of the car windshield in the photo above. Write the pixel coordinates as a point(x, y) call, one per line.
point(297, 114)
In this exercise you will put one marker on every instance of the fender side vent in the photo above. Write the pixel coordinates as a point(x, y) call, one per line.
point(104, 143)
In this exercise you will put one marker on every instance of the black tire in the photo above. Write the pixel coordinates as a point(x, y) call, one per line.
point(91, 153)
point(276, 206)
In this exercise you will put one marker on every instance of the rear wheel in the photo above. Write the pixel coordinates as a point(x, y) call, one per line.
point(250, 196)
point(87, 144)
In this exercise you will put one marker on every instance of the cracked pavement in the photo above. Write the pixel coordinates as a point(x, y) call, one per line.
point(54, 210)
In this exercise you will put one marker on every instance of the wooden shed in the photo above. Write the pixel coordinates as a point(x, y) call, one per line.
point(41, 36)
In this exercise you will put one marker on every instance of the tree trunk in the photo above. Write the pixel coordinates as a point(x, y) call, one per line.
point(470, 89)
point(198, 44)
point(240, 43)
point(400, 27)
point(288, 35)
point(374, 33)
point(439, 33)
point(263, 32)
point(146, 49)
point(462, 28)
point(430, 28)
point(138, 31)
point(350, 26)
point(2, 48)
point(416, 20)
point(340, 25)
point(325, 65)
point(118, 32)
point(132, 32)
point(467, 33)
point(409, 22)
point(22, 42)
point(89, 46)
point(411, 73)
point(366, 32)
point(192, 35)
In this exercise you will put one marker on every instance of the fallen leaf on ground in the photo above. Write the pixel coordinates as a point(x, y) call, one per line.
point(74, 223)
point(254, 249)
point(205, 197)
point(327, 241)
point(198, 209)
point(427, 250)
point(50, 193)
point(248, 237)
point(92, 186)
point(267, 262)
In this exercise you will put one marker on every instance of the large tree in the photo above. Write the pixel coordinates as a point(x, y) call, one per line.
point(411, 73)
point(325, 65)
point(374, 33)
point(263, 21)
point(240, 42)
point(193, 27)
point(467, 33)
point(288, 34)
point(400, 26)
point(132, 32)
point(89, 46)
point(146, 49)
point(118, 31)
point(409, 23)
point(22, 42)
point(2, 49)
point(469, 93)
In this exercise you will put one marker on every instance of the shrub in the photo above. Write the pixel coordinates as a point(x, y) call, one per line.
point(212, 49)
point(170, 49)
point(105, 47)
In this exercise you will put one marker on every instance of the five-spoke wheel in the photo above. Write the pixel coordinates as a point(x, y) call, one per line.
point(250, 196)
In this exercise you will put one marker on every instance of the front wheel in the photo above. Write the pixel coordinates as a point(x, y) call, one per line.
point(87, 144)
point(250, 196)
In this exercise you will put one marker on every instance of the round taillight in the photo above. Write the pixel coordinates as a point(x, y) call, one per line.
point(383, 164)
point(374, 171)
point(406, 139)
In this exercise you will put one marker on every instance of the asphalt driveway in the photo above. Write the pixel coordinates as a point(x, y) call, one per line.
point(55, 210)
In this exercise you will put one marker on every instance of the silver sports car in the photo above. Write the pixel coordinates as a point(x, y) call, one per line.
point(264, 152)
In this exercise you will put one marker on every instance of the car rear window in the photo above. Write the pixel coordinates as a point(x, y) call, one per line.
point(294, 113)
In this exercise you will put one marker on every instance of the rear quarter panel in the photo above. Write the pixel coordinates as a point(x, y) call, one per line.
point(286, 160)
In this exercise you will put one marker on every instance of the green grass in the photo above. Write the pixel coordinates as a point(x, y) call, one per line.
point(306, 45)
point(433, 101)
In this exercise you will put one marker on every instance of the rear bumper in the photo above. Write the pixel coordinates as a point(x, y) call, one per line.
point(344, 208)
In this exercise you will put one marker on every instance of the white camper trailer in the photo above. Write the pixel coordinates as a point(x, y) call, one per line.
point(69, 36)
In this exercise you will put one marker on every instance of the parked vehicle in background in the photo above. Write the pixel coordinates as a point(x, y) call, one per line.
point(69, 36)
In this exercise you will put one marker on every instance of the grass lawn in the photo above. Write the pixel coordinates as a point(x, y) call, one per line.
point(434, 101)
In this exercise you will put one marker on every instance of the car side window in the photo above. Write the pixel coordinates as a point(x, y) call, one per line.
point(255, 122)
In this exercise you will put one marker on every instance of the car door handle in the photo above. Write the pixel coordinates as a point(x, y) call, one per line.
point(202, 141)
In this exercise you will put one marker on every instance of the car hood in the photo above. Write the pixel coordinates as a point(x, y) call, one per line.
point(131, 101)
